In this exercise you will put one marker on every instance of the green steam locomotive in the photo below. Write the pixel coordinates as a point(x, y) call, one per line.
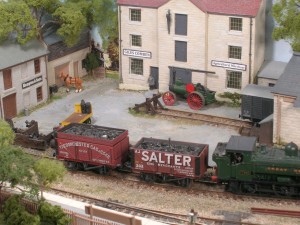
point(246, 168)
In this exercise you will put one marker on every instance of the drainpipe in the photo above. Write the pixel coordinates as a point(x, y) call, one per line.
point(1, 109)
point(206, 48)
point(120, 47)
point(250, 51)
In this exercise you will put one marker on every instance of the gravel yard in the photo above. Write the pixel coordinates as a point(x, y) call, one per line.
point(170, 201)
point(110, 108)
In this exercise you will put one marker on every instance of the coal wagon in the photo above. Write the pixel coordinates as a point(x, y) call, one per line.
point(169, 161)
point(85, 146)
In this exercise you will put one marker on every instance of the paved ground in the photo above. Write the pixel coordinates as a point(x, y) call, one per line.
point(110, 108)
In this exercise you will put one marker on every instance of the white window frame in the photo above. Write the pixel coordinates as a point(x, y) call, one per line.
point(134, 40)
point(235, 25)
point(234, 55)
point(138, 20)
point(133, 71)
point(237, 81)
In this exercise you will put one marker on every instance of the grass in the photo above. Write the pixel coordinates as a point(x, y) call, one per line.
point(112, 74)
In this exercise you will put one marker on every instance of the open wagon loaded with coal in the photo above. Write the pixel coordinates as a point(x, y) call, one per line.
point(87, 147)
point(170, 161)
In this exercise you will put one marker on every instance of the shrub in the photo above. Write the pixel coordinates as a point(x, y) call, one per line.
point(14, 213)
point(52, 215)
point(235, 98)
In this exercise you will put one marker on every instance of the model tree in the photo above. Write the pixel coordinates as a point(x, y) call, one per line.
point(287, 16)
point(48, 171)
point(27, 19)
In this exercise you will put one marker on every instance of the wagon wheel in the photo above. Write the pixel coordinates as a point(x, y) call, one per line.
point(169, 98)
point(195, 100)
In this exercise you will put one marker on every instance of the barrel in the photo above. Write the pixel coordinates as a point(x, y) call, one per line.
point(99, 72)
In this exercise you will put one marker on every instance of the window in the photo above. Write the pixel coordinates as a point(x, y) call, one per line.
point(135, 15)
point(234, 79)
point(180, 24)
point(39, 94)
point(136, 66)
point(235, 52)
point(136, 40)
point(37, 67)
point(7, 79)
point(235, 23)
point(181, 51)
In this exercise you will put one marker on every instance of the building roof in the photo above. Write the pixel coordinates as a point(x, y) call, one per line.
point(271, 69)
point(289, 82)
point(258, 91)
point(227, 7)
point(12, 54)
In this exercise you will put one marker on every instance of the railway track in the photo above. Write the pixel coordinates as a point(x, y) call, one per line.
point(161, 216)
point(207, 119)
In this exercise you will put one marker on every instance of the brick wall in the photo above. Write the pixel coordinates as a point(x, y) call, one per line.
point(286, 120)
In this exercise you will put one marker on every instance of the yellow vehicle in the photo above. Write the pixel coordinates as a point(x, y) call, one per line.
point(82, 114)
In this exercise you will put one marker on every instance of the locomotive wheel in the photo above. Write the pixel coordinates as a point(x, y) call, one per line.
point(195, 100)
point(169, 98)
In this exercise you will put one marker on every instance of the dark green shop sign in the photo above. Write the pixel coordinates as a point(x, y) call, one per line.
point(32, 82)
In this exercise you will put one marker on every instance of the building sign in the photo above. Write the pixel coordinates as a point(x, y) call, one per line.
point(229, 65)
point(136, 53)
point(32, 82)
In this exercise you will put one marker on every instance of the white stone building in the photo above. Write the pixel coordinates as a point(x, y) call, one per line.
point(23, 77)
point(218, 43)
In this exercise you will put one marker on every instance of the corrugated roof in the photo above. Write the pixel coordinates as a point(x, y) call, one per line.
point(289, 81)
point(258, 90)
point(12, 54)
point(271, 69)
point(227, 7)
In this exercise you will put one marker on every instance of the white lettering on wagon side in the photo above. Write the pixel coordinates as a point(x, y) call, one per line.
point(86, 145)
point(166, 158)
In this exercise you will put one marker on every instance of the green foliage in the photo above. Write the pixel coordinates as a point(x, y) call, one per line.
point(91, 62)
point(48, 171)
point(15, 213)
point(16, 167)
point(235, 98)
point(287, 16)
point(72, 23)
point(15, 16)
point(7, 136)
point(52, 215)
point(113, 75)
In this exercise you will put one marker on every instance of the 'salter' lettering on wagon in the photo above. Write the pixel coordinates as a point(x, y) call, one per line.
point(166, 158)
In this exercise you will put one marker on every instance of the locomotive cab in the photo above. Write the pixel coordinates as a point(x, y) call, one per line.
point(233, 159)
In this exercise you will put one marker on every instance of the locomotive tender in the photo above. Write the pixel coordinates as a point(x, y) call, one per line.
point(241, 165)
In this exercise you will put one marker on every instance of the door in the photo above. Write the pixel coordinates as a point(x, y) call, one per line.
point(10, 106)
point(154, 74)
point(64, 68)
point(185, 75)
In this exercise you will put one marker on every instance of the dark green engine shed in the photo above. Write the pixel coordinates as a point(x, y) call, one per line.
point(246, 168)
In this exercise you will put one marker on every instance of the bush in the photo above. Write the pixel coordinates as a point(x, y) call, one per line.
point(52, 215)
point(235, 98)
point(14, 213)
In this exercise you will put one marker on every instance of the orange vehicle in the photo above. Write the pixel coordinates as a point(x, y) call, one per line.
point(82, 114)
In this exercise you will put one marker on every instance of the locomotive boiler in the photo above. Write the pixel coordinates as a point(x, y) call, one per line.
point(246, 168)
